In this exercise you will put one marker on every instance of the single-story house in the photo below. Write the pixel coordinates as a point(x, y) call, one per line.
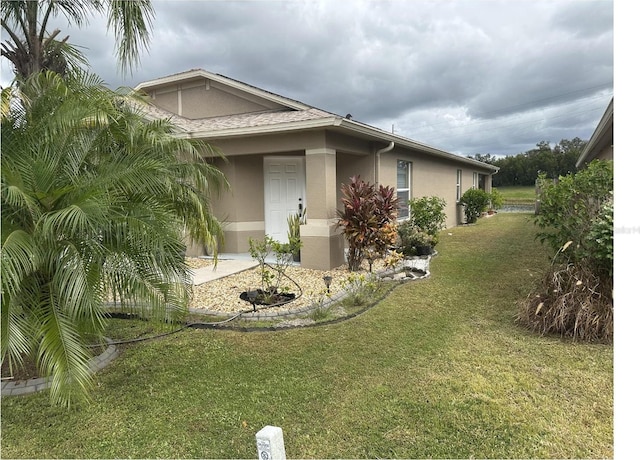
point(600, 145)
point(284, 156)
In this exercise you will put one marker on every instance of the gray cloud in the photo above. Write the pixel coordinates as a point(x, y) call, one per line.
point(467, 76)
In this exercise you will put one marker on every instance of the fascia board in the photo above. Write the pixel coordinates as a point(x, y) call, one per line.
point(603, 126)
point(414, 145)
point(270, 129)
point(337, 122)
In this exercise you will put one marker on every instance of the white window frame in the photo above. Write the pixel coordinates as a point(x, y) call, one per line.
point(403, 190)
point(458, 185)
point(475, 180)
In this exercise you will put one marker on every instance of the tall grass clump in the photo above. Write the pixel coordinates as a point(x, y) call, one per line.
point(575, 298)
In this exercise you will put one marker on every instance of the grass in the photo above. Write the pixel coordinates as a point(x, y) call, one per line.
point(516, 194)
point(437, 369)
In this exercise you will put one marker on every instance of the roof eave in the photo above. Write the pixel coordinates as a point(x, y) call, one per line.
point(415, 145)
point(341, 123)
point(267, 129)
point(603, 126)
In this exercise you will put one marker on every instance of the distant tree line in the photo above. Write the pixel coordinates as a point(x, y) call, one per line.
point(524, 168)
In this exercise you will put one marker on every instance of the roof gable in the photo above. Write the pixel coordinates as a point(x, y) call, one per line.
point(197, 93)
point(254, 111)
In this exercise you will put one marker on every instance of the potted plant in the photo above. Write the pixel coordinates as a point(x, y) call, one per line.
point(427, 213)
point(414, 241)
point(294, 221)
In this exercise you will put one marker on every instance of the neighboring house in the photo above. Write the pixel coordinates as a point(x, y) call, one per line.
point(600, 145)
point(284, 156)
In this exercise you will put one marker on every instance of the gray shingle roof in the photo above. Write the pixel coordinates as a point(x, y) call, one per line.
point(245, 120)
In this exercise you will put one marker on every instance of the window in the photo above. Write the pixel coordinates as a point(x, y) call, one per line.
point(403, 188)
point(458, 184)
point(481, 182)
point(475, 180)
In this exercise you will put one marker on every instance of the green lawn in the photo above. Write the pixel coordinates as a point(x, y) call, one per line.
point(517, 194)
point(438, 369)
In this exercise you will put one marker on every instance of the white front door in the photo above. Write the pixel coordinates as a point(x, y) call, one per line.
point(284, 188)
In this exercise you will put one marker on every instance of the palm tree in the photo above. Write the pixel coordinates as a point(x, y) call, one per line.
point(96, 203)
point(31, 48)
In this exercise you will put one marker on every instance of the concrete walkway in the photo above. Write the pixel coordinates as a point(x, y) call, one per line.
point(229, 264)
point(225, 267)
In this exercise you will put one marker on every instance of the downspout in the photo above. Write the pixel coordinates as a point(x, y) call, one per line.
point(376, 160)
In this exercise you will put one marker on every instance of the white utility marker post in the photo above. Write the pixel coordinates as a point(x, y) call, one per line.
point(270, 443)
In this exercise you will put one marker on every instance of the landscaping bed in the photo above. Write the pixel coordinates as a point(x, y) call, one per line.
point(437, 369)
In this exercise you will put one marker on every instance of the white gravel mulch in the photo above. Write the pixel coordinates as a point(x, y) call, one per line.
point(223, 294)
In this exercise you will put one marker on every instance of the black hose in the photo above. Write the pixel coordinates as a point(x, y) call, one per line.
point(210, 324)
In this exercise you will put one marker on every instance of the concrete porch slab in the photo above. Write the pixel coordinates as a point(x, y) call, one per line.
point(225, 267)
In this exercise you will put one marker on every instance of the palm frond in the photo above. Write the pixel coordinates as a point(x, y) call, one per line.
point(95, 202)
point(131, 23)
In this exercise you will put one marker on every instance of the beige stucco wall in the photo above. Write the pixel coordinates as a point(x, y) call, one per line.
point(431, 177)
point(332, 157)
point(241, 208)
point(202, 98)
point(606, 153)
point(278, 144)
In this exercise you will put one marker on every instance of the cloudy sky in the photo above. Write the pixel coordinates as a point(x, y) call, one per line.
point(465, 76)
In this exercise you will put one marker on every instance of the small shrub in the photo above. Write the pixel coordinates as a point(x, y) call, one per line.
point(321, 311)
point(271, 277)
point(359, 289)
point(414, 241)
point(392, 259)
point(427, 213)
point(367, 221)
point(475, 202)
point(293, 222)
point(497, 199)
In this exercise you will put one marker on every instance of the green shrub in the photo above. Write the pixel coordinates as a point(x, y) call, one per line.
point(272, 276)
point(414, 241)
point(497, 199)
point(475, 202)
point(294, 221)
point(359, 289)
point(579, 208)
point(427, 213)
point(576, 218)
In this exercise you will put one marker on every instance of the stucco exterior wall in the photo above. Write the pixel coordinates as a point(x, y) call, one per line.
point(606, 153)
point(202, 99)
point(334, 149)
point(352, 165)
point(278, 144)
point(241, 209)
point(431, 177)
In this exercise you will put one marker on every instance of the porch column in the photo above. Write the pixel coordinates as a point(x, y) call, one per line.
point(322, 242)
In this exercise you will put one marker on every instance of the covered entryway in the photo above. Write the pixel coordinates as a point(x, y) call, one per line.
point(284, 193)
